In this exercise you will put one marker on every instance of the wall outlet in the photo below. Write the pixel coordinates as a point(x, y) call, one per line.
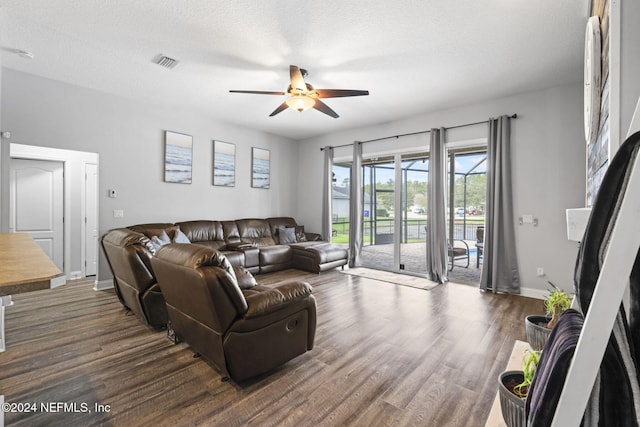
point(540, 271)
point(118, 213)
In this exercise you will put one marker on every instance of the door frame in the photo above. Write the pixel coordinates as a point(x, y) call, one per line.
point(83, 208)
point(70, 159)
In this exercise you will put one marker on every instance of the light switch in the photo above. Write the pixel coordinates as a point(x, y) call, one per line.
point(112, 193)
point(527, 219)
point(118, 213)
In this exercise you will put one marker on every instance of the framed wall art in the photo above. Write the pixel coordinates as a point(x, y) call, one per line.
point(260, 167)
point(224, 164)
point(178, 157)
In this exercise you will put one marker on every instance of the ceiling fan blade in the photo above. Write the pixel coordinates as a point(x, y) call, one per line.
point(337, 93)
point(280, 109)
point(258, 92)
point(321, 106)
point(297, 81)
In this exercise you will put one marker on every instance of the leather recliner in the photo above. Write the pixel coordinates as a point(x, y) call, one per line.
point(242, 328)
point(129, 258)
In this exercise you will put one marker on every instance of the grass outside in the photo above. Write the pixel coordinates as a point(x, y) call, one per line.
point(341, 227)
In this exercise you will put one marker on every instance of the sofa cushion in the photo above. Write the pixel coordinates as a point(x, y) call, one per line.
point(230, 232)
point(278, 222)
point(276, 254)
point(203, 230)
point(255, 231)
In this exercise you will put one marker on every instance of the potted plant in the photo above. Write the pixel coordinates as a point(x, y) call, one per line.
point(538, 327)
point(514, 388)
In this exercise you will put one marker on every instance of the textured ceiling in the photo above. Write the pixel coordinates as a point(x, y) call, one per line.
point(413, 56)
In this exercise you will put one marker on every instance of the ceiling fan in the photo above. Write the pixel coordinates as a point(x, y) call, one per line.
point(303, 96)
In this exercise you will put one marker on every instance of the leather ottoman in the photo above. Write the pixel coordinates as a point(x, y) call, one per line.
point(318, 256)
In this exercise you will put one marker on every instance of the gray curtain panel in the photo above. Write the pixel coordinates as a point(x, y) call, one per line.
point(355, 207)
point(437, 225)
point(327, 194)
point(500, 264)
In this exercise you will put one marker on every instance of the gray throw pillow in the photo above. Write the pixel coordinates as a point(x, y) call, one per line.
point(160, 240)
point(180, 237)
point(287, 235)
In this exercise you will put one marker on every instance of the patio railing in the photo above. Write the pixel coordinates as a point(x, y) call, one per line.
point(381, 231)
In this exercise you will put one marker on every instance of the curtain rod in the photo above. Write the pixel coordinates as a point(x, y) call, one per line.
point(513, 116)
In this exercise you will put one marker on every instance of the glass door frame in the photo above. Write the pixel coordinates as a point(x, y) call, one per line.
point(400, 190)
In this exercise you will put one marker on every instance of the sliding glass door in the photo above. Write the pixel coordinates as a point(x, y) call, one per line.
point(394, 213)
point(379, 213)
point(465, 216)
point(413, 224)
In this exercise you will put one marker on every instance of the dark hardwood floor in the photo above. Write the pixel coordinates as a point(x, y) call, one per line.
point(384, 355)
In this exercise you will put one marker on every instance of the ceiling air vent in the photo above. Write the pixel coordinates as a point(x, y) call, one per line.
point(166, 62)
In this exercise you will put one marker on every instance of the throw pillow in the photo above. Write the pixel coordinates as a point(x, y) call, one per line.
point(160, 240)
point(245, 279)
point(287, 235)
point(169, 231)
point(300, 236)
point(180, 237)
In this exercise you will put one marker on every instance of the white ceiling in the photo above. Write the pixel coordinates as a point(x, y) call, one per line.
point(414, 56)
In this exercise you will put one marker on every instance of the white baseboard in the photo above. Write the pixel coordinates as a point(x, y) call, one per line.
point(103, 284)
point(58, 281)
point(534, 293)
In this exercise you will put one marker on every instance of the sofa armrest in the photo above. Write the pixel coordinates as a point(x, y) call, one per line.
point(312, 237)
point(238, 246)
point(273, 299)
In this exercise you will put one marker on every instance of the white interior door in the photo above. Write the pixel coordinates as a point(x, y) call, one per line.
point(91, 219)
point(36, 204)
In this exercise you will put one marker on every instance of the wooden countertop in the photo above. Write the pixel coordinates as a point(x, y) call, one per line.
point(23, 265)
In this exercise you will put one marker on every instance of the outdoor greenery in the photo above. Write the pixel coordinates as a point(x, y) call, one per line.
point(476, 191)
point(417, 193)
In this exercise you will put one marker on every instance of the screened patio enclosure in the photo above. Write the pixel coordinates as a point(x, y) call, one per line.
point(397, 187)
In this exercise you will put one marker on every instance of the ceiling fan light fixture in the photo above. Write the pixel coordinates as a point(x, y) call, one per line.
point(300, 102)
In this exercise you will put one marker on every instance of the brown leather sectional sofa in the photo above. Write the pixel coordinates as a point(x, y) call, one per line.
point(198, 275)
point(258, 245)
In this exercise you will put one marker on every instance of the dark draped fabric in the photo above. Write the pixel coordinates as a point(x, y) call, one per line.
point(615, 397)
point(544, 391)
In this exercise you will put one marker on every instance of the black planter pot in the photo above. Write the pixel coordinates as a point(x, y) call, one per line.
point(511, 405)
point(536, 330)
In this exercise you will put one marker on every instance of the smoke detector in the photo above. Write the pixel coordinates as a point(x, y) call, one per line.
point(165, 61)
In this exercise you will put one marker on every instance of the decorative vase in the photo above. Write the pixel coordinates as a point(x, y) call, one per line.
point(511, 405)
point(537, 331)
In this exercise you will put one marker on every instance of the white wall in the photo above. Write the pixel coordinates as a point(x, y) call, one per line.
point(128, 136)
point(548, 164)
